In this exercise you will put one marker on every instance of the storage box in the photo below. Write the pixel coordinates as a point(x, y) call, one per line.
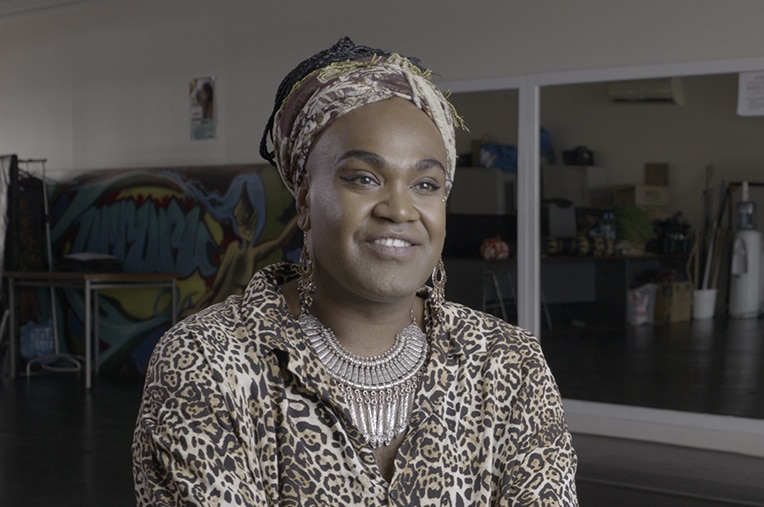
point(584, 186)
point(673, 302)
point(644, 196)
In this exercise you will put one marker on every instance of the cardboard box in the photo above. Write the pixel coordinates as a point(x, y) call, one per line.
point(673, 302)
point(644, 196)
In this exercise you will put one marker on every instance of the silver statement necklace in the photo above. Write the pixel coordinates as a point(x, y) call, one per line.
point(378, 390)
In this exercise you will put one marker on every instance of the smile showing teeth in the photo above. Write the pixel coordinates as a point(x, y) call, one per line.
point(392, 242)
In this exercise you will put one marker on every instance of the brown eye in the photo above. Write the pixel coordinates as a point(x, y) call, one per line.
point(364, 180)
point(428, 186)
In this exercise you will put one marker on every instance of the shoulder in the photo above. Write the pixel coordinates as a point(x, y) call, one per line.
point(504, 364)
point(196, 347)
point(475, 331)
point(231, 329)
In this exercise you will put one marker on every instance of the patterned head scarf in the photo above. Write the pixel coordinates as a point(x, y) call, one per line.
point(339, 87)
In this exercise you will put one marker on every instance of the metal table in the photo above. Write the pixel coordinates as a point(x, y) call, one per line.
point(91, 283)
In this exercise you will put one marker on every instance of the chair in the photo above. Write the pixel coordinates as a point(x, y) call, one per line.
point(500, 293)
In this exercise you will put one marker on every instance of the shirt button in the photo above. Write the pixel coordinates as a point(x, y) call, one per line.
point(394, 495)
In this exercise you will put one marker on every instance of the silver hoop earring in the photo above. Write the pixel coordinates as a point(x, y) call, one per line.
point(306, 287)
point(439, 289)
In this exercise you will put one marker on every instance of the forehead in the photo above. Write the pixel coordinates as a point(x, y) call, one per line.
point(392, 127)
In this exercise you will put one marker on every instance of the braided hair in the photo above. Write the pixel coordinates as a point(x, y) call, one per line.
point(344, 50)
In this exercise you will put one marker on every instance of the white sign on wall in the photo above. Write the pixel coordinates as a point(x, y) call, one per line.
point(750, 94)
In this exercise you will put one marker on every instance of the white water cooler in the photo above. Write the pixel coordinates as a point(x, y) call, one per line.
point(747, 279)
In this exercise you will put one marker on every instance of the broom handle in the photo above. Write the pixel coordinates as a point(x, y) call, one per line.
point(709, 256)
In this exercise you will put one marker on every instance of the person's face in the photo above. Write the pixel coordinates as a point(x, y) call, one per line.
point(374, 202)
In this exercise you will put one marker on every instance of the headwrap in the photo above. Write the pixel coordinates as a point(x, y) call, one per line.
point(340, 87)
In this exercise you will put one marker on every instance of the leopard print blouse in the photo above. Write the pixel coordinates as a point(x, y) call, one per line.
point(238, 411)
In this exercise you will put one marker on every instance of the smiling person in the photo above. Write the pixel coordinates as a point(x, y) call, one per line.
point(348, 379)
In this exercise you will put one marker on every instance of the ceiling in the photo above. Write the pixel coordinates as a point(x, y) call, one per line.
point(10, 7)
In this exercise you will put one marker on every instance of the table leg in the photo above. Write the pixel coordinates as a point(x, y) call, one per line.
point(87, 335)
point(12, 326)
point(174, 301)
point(96, 329)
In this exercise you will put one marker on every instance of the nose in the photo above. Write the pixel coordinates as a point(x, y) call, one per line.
point(397, 205)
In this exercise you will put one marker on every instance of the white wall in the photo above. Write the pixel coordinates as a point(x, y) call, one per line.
point(490, 116)
point(704, 130)
point(103, 83)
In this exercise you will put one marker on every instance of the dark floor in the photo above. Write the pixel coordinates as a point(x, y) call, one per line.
point(624, 473)
point(62, 446)
point(712, 366)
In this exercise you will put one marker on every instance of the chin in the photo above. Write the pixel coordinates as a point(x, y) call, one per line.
point(400, 286)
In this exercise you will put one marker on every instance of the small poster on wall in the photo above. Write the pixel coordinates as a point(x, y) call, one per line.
point(202, 98)
point(750, 96)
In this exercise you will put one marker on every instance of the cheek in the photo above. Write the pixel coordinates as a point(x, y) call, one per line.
point(334, 217)
point(435, 221)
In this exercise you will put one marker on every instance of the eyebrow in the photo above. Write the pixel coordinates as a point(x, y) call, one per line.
point(363, 155)
point(379, 162)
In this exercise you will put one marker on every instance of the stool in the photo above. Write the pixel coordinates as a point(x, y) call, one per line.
point(494, 299)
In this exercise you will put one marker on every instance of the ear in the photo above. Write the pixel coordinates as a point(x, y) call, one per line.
point(302, 203)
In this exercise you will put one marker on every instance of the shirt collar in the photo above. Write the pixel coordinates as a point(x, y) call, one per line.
point(263, 292)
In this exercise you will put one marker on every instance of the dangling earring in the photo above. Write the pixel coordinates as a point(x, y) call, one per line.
point(439, 289)
point(305, 285)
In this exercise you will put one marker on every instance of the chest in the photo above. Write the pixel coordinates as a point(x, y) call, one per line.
point(313, 453)
point(385, 457)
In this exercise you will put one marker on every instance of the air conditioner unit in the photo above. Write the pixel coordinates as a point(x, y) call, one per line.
point(661, 90)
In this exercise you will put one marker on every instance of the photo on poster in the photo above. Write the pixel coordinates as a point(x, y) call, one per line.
point(202, 98)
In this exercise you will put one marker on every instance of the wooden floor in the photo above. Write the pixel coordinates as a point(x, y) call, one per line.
point(710, 367)
point(63, 446)
point(714, 366)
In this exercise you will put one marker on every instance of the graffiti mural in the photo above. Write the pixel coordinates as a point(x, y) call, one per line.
point(214, 226)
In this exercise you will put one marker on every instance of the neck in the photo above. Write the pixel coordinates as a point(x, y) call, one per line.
point(367, 330)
